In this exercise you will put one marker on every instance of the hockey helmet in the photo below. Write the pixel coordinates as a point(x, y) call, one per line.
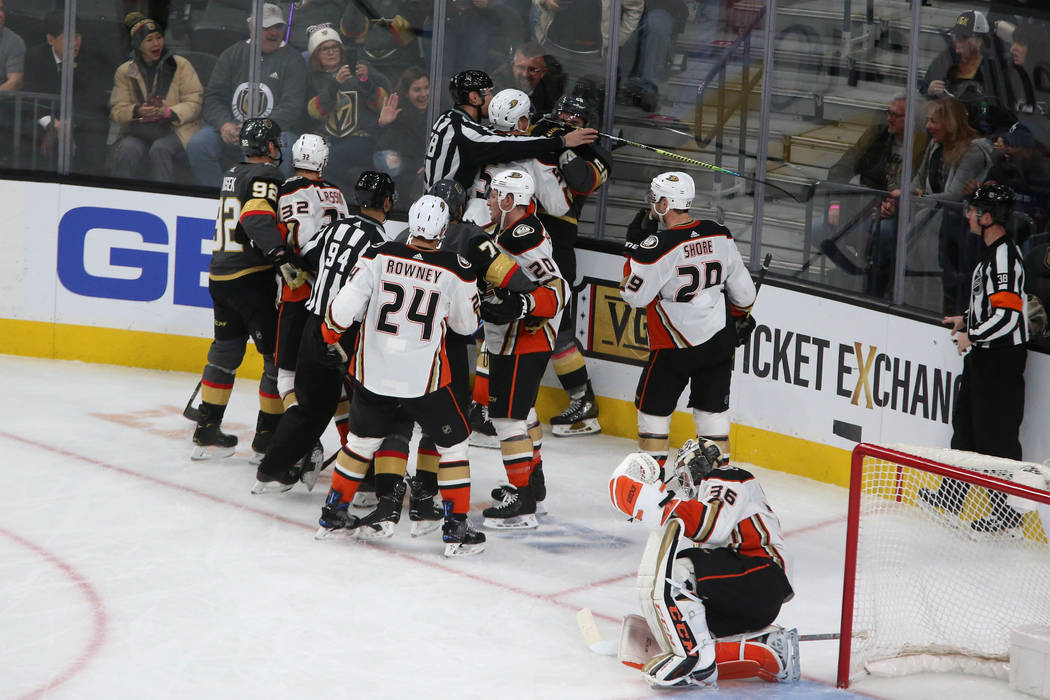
point(373, 188)
point(453, 195)
point(695, 460)
point(507, 107)
point(310, 152)
point(428, 218)
point(677, 186)
point(997, 200)
point(514, 182)
point(256, 135)
point(574, 106)
point(466, 82)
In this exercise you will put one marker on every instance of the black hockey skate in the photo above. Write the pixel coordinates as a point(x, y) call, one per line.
point(482, 432)
point(580, 418)
point(335, 520)
point(517, 511)
point(539, 489)
point(947, 497)
point(275, 483)
point(422, 511)
point(365, 497)
point(310, 466)
point(379, 524)
point(459, 535)
point(208, 439)
point(265, 425)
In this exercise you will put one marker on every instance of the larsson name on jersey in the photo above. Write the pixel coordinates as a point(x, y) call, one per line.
point(407, 269)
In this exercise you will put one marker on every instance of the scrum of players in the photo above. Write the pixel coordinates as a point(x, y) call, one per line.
point(372, 331)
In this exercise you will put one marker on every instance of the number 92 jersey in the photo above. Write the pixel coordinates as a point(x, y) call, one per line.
point(246, 227)
point(679, 274)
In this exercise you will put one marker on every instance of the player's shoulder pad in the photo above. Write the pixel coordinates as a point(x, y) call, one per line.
point(454, 263)
point(708, 227)
point(731, 473)
point(294, 184)
point(522, 236)
point(653, 247)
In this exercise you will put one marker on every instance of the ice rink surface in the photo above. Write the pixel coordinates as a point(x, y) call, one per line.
point(128, 571)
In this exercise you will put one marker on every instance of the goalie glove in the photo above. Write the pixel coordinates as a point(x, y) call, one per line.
point(636, 490)
point(504, 306)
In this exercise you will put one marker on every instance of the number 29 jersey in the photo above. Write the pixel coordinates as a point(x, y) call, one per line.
point(246, 226)
point(679, 275)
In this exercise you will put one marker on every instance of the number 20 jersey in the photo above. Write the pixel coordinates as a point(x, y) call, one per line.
point(678, 275)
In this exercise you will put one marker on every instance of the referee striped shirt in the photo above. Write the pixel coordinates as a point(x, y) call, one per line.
point(335, 250)
point(998, 314)
point(459, 147)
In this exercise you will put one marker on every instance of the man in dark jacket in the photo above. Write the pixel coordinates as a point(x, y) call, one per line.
point(282, 89)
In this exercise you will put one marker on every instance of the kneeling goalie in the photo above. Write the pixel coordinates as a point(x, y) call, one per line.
point(708, 603)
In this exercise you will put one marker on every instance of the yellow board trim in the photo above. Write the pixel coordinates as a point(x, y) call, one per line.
point(762, 448)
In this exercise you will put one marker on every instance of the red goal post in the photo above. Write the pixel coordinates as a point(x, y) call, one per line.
point(923, 588)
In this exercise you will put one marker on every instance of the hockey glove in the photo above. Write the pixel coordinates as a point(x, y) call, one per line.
point(337, 348)
point(642, 226)
point(504, 306)
point(287, 264)
point(744, 326)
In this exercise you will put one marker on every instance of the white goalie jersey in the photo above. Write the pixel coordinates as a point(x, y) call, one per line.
point(306, 206)
point(551, 191)
point(405, 299)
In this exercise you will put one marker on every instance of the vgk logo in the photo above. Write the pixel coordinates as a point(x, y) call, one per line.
point(242, 101)
point(865, 365)
point(343, 119)
point(617, 332)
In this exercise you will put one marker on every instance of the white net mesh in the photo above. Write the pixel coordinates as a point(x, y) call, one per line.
point(945, 567)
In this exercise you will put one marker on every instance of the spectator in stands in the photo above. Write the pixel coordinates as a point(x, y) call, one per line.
point(970, 72)
point(308, 16)
point(644, 55)
point(954, 162)
point(386, 32)
point(12, 56)
point(577, 34)
point(868, 227)
point(156, 101)
point(343, 103)
point(91, 85)
point(538, 75)
point(1018, 164)
point(468, 26)
point(403, 132)
point(282, 76)
point(1030, 77)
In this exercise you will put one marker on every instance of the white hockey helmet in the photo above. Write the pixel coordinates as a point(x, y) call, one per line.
point(428, 218)
point(514, 182)
point(677, 186)
point(695, 460)
point(310, 152)
point(507, 107)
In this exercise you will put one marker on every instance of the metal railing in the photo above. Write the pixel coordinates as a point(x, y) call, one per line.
point(20, 113)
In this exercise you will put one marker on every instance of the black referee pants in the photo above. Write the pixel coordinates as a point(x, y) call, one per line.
point(989, 405)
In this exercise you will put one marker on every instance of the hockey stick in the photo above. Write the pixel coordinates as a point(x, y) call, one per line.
point(191, 412)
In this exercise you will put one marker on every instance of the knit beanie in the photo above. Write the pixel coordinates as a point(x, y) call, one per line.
point(139, 28)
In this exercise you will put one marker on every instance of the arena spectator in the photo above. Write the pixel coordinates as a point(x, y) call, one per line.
point(403, 132)
point(1018, 164)
point(343, 102)
point(644, 56)
point(12, 55)
point(91, 84)
point(156, 101)
point(1030, 77)
point(538, 75)
point(282, 76)
point(386, 32)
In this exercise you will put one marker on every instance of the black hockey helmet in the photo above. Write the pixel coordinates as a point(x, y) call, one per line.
point(452, 193)
point(256, 135)
point(997, 200)
point(576, 106)
point(695, 460)
point(466, 82)
point(373, 188)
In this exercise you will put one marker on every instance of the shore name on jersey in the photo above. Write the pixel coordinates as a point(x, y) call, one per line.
point(696, 248)
point(419, 272)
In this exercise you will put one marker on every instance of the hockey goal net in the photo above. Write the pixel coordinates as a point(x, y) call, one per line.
point(946, 552)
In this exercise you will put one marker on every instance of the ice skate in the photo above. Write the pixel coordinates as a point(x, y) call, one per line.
point(366, 492)
point(539, 489)
point(459, 535)
point(785, 644)
point(209, 442)
point(275, 483)
point(1002, 521)
point(265, 425)
point(310, 467)
point(670, 671)
point(517, 511)
point(580, 418)
point(483, 433)
point(379, 524)
point(943, 498)
point(335, 520)
point(422, 511)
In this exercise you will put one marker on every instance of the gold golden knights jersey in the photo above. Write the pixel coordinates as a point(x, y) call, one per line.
point(406, 299)
point(305, 207)
point(526, 242)
point(678, 275)
point(730, 510)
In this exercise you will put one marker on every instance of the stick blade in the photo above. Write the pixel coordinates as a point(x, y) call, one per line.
point(591, 636)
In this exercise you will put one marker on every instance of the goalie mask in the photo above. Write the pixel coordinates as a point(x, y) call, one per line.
point(694, 462)
point(310, 152)
point(428, 218)
point(507, 108)
point(676, 186)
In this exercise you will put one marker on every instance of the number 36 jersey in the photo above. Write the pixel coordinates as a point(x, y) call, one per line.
point(679, 275)
point(405, 298)
point(246, 227)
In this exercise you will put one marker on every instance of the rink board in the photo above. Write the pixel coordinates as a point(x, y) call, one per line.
point(120, 277)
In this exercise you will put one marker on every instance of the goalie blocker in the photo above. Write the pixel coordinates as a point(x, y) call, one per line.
point(715, 571)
